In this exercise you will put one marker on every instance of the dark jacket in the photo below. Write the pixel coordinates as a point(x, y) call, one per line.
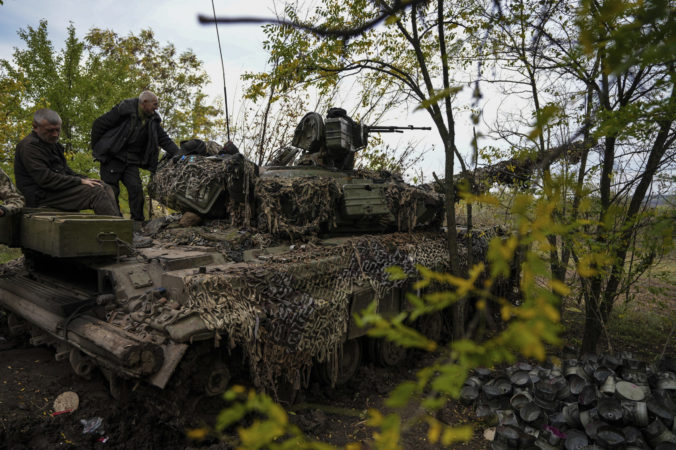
point(40, 167)
point(111, 131)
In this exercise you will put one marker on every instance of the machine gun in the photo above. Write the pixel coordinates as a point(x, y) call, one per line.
point(334, 142)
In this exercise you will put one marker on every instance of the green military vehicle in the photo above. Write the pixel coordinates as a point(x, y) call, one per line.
point(263, 291)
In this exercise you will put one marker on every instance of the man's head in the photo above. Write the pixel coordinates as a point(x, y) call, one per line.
point(47, 125)
point(148, 102)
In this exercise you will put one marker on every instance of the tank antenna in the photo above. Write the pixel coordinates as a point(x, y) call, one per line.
point(225, 91)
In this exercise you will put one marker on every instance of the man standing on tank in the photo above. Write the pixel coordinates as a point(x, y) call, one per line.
point(127, 138)
point(44, 178)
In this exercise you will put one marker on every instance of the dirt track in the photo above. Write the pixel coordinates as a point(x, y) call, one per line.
point(32, 379)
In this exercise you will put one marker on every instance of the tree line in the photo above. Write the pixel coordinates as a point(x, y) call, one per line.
point(90, 75)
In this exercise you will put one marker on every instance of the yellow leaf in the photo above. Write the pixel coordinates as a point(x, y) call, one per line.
point(456, 434)
point(376, 418)
point(434, 431)
point(506, 313)
point(559, 287)
point(197, 434)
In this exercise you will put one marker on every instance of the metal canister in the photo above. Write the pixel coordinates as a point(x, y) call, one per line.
point(508, 436)
point(546, 390)
point(576, 383)
point(587, 398)
point(626, 390)
point(486, 413)
point(601, 373)
point(530, 413)
point(473, 381)
point(657, 409)
point(553, 435)
point(503, 385)
point(610, 410)
point(520, 378)
point(632, 435)
point(588, 416)
point(592, 428)
point(483, 373)
point(609, 385)
point(635, 413)
point(507, 417)
point(610, 437)
point(666, 381)
point(571, 414)
point(576, 440)
point(611, 361)
point(520, 399)
point(657, 433)
point(469, 394)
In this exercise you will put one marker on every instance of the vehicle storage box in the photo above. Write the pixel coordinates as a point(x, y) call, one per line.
point(75, 234)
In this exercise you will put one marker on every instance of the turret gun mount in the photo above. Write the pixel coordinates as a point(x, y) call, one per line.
point(334, 142)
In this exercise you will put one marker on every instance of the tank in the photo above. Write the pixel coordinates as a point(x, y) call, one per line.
point(256, 278)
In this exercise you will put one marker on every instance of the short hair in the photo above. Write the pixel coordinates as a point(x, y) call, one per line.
point(46, 114)
point(146, 96)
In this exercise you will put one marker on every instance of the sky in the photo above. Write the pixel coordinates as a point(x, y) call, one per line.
point(175, 21)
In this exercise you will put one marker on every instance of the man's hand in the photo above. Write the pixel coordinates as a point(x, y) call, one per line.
point(92, 182)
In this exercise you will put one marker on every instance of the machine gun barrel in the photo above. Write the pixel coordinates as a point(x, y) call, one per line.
point(392, 129)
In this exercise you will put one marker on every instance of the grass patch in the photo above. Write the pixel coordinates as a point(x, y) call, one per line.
point(8, 254)
point(643, 332)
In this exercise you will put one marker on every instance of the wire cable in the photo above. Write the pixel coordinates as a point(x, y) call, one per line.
point(225, 92)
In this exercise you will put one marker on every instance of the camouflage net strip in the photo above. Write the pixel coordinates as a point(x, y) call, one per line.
point(296, 207)
point(198, 179)
point(295, 307)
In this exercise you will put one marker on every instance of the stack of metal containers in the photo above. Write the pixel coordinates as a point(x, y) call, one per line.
point(595, 402)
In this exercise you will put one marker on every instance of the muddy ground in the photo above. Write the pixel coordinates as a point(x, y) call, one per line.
point(32, 379)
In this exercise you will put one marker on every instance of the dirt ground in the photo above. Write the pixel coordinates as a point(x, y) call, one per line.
point(31, 378)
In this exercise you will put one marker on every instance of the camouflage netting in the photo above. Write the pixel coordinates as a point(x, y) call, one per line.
point(294, 307)
point(227, 186)
point(191, 183)
point(297, 207)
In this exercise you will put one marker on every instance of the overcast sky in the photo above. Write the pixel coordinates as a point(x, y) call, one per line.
point(175, 21)
point(172, 21)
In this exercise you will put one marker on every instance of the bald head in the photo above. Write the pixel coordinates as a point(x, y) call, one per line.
point(148, 102)
point(47, 125)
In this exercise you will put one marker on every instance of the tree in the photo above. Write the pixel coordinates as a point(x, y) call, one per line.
point(88, 76)
point(406, 61)
point(627, 105)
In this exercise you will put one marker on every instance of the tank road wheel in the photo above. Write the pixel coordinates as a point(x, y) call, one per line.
point(386, 353)
point(345, 367)
point(17, 327)
point(118, 386)
point(218, 380)
point(81, 364)
point(212, 376)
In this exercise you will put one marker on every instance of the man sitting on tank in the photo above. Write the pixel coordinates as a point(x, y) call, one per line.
point(12, 201)
point(44, 178)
